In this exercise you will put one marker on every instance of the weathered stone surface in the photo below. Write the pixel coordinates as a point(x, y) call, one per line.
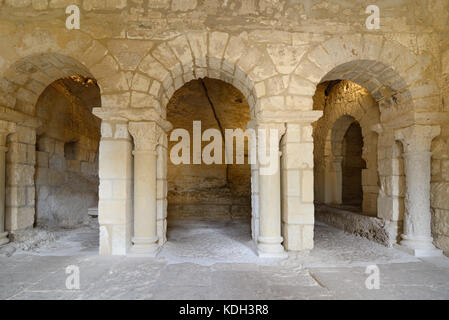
point(439, 195)
point(208, 191)
point(285, 58)
point(141, 52)
point(183, 5)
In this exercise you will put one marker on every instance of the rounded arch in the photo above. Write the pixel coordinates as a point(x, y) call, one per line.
point(398, 79)
point(194, 55)
point(329, 132)
point(27, 78)
point(334, 124)
point(337, 134)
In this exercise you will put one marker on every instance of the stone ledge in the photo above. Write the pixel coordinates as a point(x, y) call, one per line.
point(371, 228)
point(131, 114)
point(20, 118)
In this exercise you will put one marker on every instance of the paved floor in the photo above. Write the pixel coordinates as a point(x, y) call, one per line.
point(216, 260)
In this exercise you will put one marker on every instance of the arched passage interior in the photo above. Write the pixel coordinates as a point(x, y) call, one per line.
point(352, 166)
point(66, 173)
point(348, 179)
point(205, 196)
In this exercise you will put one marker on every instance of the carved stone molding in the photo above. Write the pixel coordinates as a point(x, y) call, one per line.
point(145, 135)
point(417, 138)
point(293, 116)
point(132, 114)
point(6, 127)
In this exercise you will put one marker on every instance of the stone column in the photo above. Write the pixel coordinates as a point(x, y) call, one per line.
point(270, 239)
point(145, 240)
point(255, 202)
point(337, 180)
point(417, 237)
point(328, 180)
point(333, 180)
point(252, 157)
point(5, 129)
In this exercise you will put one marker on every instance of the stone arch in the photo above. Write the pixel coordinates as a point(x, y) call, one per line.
point(171, 64)
point(329, 133)
point(21, 86)
point(196, 55)
point(339, 129)
point(402, 84)
point(67, 148)
point(396, 78)
point(28, 77)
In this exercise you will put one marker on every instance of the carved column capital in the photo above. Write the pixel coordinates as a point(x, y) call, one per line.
point(6, 127)
point(417, 138)
point(280, 127)
point(145, 135)
point(337, 160)
point(377, 128)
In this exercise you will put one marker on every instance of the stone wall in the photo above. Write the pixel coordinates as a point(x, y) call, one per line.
point(67, 154)
point(20, 171)
point(440, 169)
point(201, 190)
point(274, 52)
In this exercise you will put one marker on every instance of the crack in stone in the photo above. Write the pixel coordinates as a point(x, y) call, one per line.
point(206, 93)
point(317, 281)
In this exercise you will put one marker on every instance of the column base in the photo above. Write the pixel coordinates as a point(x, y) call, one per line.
point(418, 247)
point(4, 238)
point(271, 248)
point(420, 253)
point(145, 247)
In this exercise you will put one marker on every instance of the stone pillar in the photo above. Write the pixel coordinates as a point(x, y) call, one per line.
point(252, 156)
point(145, 240)
point(297, 187)
point(328, 180)
point(337, 180)
point(417, 237)
point(115, 191)
point(162, 186)
point(5, 129)
point(270, 239)
point(255, 202)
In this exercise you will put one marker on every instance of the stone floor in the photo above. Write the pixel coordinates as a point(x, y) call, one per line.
point(216, 260)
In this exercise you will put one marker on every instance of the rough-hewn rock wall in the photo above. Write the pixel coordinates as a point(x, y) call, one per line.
point(67, 154)
point(201, 190)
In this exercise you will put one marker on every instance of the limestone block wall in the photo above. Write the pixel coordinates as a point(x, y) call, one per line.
point(66, 175)
point(440, 170)
point(20, 171)
point(274, 52)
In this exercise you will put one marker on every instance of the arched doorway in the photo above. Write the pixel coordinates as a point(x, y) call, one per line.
point(346, 156)
point(352, 166)
point(66, 173)
point(50, 106)
point(206, 195)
